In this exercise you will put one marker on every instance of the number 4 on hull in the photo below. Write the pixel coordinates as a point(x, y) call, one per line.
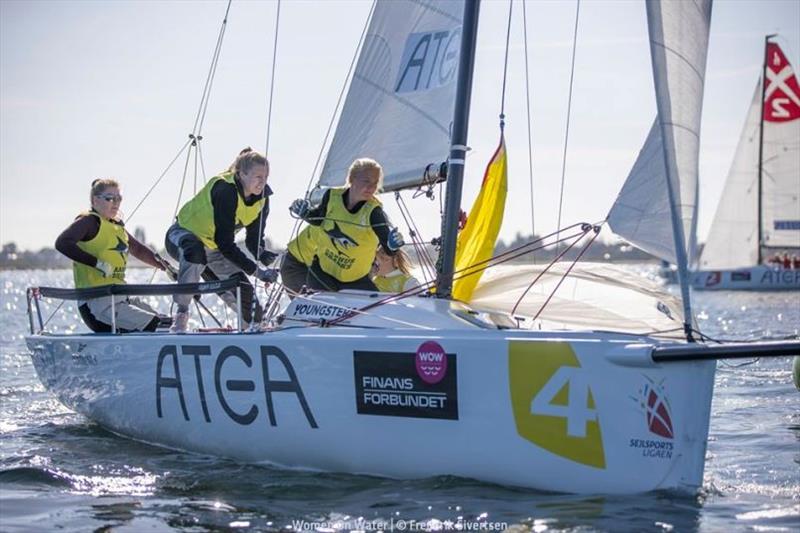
point(553, 403)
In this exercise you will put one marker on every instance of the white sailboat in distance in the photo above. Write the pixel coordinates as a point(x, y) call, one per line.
point(754, 242)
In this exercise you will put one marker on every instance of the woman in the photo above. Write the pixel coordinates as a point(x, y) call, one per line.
point(98, 245)
point(393, 273)
point(202, 238)
point(351, 223)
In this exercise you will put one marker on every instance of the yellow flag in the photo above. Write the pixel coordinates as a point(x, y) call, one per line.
point(476, 241)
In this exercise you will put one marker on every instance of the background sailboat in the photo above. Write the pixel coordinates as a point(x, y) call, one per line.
point(758, 216)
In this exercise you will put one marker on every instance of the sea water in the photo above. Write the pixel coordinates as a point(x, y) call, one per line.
point(59, 471)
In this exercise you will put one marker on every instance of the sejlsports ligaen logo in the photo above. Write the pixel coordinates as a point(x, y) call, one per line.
point(654, 405)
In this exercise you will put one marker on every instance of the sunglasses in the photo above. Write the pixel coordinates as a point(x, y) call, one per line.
point(110, 197)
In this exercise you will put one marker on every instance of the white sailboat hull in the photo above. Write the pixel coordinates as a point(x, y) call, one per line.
point(557, 411)
point(757, 278)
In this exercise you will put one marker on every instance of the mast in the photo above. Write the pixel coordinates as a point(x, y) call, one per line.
point(458, 149)
point(761, 148)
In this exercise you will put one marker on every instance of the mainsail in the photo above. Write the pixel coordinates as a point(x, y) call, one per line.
point(663, 181)
point(399, 107)
point(734, 240)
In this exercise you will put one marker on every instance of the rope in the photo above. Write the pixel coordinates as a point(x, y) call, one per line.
point(201, 112)
point(152, 187)
point(505, 68)
point(195, 136)
point(425, 260)
point(260, 246)
point(528, 107)
point(459, 274)
point(569, 269)
point(569, 110)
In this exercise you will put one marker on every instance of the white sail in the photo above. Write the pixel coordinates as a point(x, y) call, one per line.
point(399, 106)
point(733, 241)
point(669, 159)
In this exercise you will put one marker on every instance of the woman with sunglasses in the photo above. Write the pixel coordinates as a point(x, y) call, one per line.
point(202, 237)
point(98, 244)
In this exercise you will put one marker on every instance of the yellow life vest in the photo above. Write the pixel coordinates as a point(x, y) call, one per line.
point(346, 242)
point(393, 282)
point(304, 247)
point(109, 245)
point(197, 215)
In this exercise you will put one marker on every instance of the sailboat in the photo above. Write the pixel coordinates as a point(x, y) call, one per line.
point(757, 224)
point(427, 385)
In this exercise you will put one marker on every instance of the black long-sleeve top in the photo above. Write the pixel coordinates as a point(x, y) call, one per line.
point(224, 199)
point(377, 219)
point(85, 228)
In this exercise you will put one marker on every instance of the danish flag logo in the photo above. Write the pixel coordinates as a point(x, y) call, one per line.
point(653, 401)
point(658, 419)
point(782, 94)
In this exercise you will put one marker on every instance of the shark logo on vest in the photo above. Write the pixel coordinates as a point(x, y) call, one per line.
point(121, 247)
point(341, 241)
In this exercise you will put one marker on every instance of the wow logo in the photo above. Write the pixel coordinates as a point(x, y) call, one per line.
point(553, 403)
point(653, 401)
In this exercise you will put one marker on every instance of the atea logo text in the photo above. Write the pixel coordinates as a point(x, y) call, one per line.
point(430, 60)
point(553, 403)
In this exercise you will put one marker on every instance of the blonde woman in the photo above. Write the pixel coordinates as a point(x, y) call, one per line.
point(351, 225)
point(202, 238)
point(98, 244)
point(393, 272)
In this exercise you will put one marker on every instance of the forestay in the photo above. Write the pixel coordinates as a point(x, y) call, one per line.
point(399, 106)
point(733, 241)
point(664, 177)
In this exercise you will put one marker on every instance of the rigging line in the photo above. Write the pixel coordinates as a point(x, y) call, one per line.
point(413, 226)
point(528, 106)
point(202, 164)
point(201, 111)
point(52, 315)
point(569, 110)
point(272, 78)
point(164, 173)
point(505, 67)
point(183, 182)
point(569, 269)
point(545, 270)
point(505, 258)
point(194, 184)
point(260, 244)
point(341, 94)
point(459, 274)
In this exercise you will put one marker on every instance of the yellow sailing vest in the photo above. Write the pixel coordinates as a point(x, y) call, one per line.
point(394, 282)
point(109, 245)
point(303, 247)
point(197, 215)
point(346, 243)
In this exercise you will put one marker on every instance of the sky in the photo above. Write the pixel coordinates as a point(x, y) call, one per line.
point(94, 89)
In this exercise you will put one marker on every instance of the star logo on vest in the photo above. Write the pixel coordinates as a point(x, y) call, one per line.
point(340, 240)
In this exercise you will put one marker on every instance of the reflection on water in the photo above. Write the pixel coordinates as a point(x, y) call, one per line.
point(58, 470)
